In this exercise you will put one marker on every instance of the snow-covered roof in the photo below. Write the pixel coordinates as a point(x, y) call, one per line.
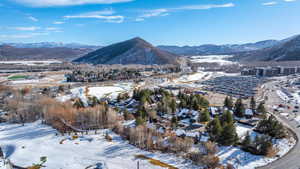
point(249, 112)
point(204, 138)
point(180, 132)
point(214, 110)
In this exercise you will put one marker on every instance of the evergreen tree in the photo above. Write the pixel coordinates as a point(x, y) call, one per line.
point(261, 108)
point(228, 136)
point(228, 103)
point(174, 121)
point(141, 112)
point(93, 101)
point(253, 104)
point(226, 117)
point(204, 116)
point(78, 103)
point(214, 129)
point(173, 106)
point(139, 121)
point(272, 127)
point(239, 110)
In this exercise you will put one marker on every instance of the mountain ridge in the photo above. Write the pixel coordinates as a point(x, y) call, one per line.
point(132, 51)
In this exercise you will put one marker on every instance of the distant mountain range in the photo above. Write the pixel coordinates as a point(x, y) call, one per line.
point(133, 51)
point(285, 50)
point(50, 45)
point(211, 49)
point(62, 53)
point(138, 51)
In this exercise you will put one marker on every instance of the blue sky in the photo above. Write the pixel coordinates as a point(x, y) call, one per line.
point(168, 22)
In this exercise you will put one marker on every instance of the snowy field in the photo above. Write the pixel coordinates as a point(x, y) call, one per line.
point(191, 79)
point(24, 145)
point(221, 59)
point(31, 63)
point(99, 92)
point(49, 79)
point(244, 160)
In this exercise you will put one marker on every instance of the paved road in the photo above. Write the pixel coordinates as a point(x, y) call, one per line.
point(292, 159)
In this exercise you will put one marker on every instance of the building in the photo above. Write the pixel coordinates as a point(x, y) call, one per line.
point(270, 71)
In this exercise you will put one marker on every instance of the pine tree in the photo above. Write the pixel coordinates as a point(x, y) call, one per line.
point(228, 136)
point(173, 105)
point(174, 121)
point(272, 127)
point(239, 110)
point(253, 104)
point(204, 116)
point(139, 121)
point(78, 103)
point(228, 103)
point(214, 129)
point(226, 117)
point(261, 108)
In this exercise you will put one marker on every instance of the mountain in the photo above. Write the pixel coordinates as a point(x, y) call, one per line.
point(133, 51)
point(211, 49)
point(287, 50)
point(50, 45)
point(8, 52)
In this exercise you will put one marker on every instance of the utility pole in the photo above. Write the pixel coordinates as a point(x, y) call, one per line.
point(138, 164)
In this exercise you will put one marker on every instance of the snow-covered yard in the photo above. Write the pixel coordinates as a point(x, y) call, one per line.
point(99, 92)
point(24, 145)
point(244, 160)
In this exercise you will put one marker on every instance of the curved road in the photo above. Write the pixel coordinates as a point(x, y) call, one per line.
point(292, 159)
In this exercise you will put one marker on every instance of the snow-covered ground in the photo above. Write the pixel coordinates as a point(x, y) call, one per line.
point(31, 63)
point(221, 59)
point(24, 145)
point(190, 79)
point(242, 129)
point(244, 160)
point(99, 92)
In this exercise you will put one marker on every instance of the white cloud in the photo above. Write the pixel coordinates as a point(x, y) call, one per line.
point(203, 7)
point(52, 29)
point(155, 12)
point(167, 11)
point(31, 28)
point(49, 3)
point(58, 22)
point(106, 15)
point(33, 18)
point(269, 3)
point(289, 0)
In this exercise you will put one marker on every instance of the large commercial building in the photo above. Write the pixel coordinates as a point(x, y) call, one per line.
point(270, 71)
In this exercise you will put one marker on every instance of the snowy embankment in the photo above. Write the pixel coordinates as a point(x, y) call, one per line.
point(24, 145)
point(244, 160)
point(99, 92)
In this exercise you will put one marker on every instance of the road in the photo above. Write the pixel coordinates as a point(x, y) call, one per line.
point(292, 159)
